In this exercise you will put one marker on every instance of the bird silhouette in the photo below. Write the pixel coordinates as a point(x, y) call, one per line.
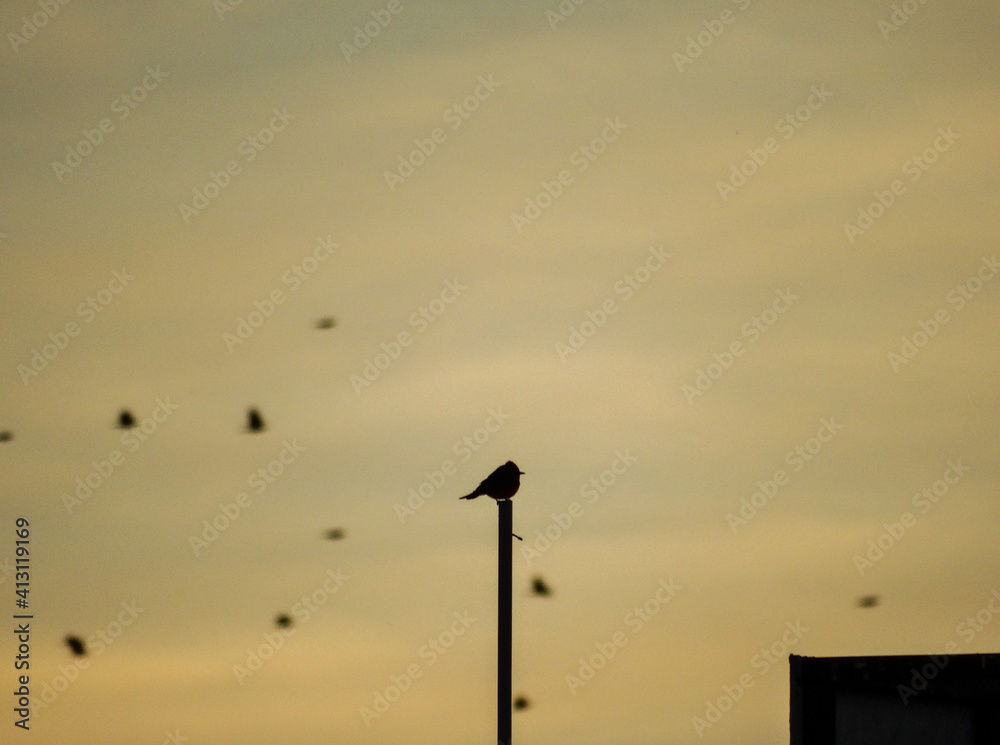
point(503, 483)
point(868, 601)
point(326, 323)
point(125, 419)
point(255, 422)
point(335, 534)
point(6, 436)
point(521, 702)
point(538, 586)
point(76, 646)
point(283, 621)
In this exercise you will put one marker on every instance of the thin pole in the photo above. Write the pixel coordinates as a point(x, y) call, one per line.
point(504, 592)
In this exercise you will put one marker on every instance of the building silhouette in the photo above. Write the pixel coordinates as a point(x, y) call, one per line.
point(946, 699)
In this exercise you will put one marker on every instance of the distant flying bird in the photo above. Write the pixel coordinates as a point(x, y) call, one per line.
point(539, 587)
point(283, 621)
point(125, 419)
point(503, 483)
point(326, 323)
point(6, 436)
point(255, 422)
point(335, 534)
point(868, 601)
point(76, 645)
point(521, 703)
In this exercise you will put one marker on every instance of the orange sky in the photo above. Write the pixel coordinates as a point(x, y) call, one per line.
point(720, 279)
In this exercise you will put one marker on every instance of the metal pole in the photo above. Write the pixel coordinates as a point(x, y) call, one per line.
point(504, 592)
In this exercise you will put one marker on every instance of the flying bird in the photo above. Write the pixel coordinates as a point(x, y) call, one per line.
point(6, 436)
point(326, 323)
point(521, 702)
point(539, 587)
point(125, 419)
point(255, 422)
point(76, 646)
point(283, 621)
point(335, 534)
point(868, 601)
point(503, 483)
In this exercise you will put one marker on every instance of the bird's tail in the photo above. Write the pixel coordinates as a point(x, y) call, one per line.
point(470, 496)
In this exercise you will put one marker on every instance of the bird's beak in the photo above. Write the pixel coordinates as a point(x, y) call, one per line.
point(521, 472)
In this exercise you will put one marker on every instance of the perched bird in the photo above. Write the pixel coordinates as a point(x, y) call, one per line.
point(335, 534)
point(283, 621)
point(125, 419)
point(539, 587)
point(326, 323)
point(6, 436)
point(255, 422)
point(503, 483)
point(76, 646)
point(521, 702)
point(868, 601)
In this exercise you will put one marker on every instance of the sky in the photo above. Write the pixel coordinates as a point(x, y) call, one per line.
point(720, 277)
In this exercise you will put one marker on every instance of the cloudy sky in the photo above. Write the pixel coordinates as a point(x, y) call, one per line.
point(720, 277)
